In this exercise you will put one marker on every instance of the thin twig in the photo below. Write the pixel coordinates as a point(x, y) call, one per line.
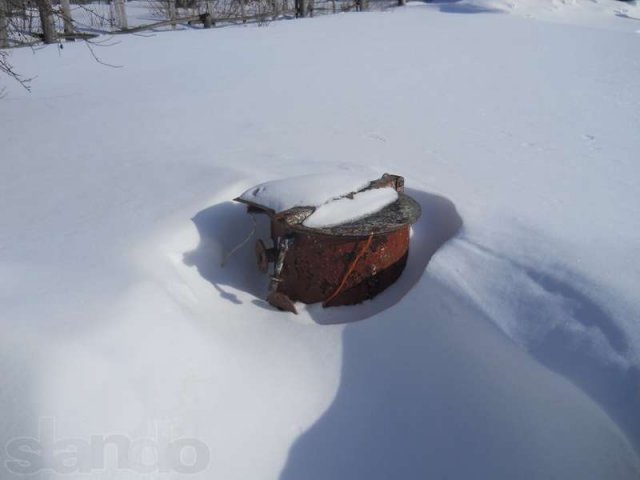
point(97, 59)
point(241, 244)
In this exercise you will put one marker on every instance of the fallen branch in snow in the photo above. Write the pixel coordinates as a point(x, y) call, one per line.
point(65, 36)
point(163, 23)
point(90, 46)
point(206, 19)
point(7, 68)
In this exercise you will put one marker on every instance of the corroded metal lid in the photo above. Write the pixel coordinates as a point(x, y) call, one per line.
point(404, 211)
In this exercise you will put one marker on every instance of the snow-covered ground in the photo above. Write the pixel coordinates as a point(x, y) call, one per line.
point(514, 354)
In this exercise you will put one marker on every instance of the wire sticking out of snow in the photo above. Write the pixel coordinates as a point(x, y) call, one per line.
point(306, 190)
point(348, 209)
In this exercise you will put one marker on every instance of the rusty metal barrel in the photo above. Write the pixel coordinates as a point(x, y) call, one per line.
point(339, 265)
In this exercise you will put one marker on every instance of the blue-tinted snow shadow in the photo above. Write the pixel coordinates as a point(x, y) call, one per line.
point(468, 8)
point(407, 406)
point(627, 16)
point(615, 386)
point(222, 228)
point(394, 416)
point(574, 355)
point(461, 6)
point(411, 405)
point(225, 226)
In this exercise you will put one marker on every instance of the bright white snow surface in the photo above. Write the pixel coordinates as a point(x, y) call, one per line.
point(515, 354)
point(310, 190)
point(348, 209)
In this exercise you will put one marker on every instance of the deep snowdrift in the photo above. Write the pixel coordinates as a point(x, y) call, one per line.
point(515, 354)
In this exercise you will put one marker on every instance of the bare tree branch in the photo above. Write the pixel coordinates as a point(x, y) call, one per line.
point(6, 68)
point(90, 46)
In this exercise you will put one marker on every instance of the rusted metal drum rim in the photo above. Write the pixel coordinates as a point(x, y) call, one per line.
point(404, 211)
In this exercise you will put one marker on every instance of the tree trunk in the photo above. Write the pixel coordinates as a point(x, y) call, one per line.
point(121, 15)
point(172, 13)
point(66, 16)
point(4, 24)
point(242, 11)
point(46, 21)
point(207, 20)
point(402, 3)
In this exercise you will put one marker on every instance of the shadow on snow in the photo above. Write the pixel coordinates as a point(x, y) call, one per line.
point(382, 422)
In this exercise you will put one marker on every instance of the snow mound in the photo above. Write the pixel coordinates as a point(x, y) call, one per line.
point(348, 209)
point(305, 190)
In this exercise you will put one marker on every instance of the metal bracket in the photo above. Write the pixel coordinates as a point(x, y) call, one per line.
point(275, 298)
